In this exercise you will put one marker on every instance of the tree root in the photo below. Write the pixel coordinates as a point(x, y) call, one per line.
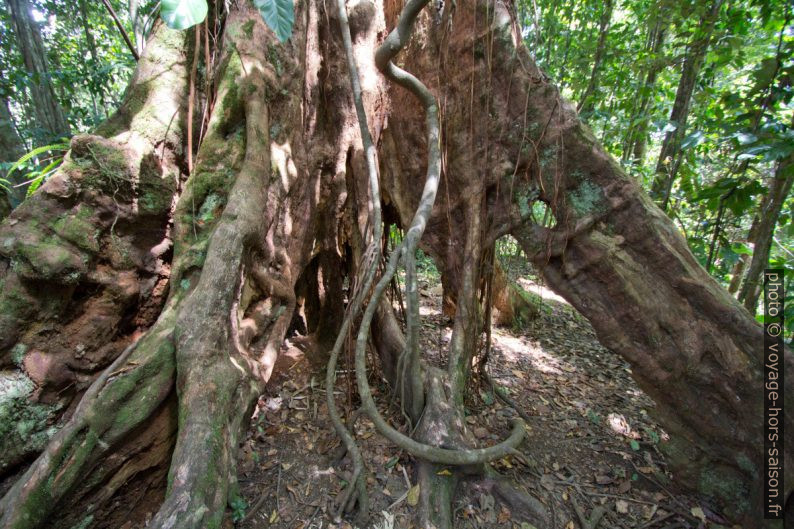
point(595, 516)
point(522, 505)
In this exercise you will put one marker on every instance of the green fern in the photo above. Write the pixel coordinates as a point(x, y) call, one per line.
point(36, 176)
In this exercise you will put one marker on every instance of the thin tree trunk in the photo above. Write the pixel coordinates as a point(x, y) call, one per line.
point(586, 103)
point(11, 146)
point(637, 135)
point(11, 149)
point(91, 69)
point(768, 216)
point(667, 165)
point(49, 114)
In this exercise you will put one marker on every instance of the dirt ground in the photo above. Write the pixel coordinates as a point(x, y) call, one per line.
point(591, 450)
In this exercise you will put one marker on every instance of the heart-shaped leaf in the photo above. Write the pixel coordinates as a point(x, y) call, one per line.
point(279, 16)
point(182, 14)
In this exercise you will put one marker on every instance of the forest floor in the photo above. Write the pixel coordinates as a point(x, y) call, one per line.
point(591, 445)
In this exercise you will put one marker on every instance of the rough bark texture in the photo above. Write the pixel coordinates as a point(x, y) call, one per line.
point(85, 261)
point(276, 211)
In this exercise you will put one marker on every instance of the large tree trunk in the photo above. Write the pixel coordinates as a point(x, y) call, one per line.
point(85, 261)
point(49, 114)
point(277, 197)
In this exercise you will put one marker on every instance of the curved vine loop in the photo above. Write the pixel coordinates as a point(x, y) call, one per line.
point(406, 250)
point(369, 263)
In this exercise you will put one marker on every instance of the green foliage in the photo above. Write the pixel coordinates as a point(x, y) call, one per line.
point(183, 14)
point(279, 15)
point(238, 507)
point(35, 166)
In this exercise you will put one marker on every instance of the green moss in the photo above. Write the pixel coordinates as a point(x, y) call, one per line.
point(47, 257)
point(209, 207)
point(85, 523)
point(24, 425)
point(105, 168)
point(726, 486)
point(586, 198)
point(548, 156)
point(155, 194)
point(248, 28)
point(275, 60)
point(18, 353)
point(78, 230)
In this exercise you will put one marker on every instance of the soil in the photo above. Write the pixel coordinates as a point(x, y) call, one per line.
point(591, 443)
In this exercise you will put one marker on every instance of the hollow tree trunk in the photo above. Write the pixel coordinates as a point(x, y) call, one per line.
point(278, 182)
point(49, 114)
point(613, 255)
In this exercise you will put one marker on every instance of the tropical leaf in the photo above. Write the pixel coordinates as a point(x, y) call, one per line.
point(279, 16)
point(182, 14)
point(63, 146)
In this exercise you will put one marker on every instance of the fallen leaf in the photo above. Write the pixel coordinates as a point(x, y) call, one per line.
point(622, 506)
point(601, 479)
point(698, 513)
point(413, 496)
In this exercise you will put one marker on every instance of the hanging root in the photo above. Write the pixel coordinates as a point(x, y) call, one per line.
point(369, 266)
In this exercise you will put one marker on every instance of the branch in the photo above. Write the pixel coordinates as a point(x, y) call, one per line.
point(121, 30)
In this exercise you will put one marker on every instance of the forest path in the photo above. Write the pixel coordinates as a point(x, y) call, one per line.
point(591, 445)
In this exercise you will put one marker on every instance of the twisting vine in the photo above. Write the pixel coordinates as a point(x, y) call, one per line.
point(369, 264)
point(404, 252)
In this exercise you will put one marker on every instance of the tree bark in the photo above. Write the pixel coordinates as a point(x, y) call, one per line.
point(669, 321)
point(49, 114)
point(669, 156)
point(11, 149)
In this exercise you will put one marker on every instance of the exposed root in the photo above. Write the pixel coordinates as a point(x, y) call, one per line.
point(595, 517)
point(523, 506)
